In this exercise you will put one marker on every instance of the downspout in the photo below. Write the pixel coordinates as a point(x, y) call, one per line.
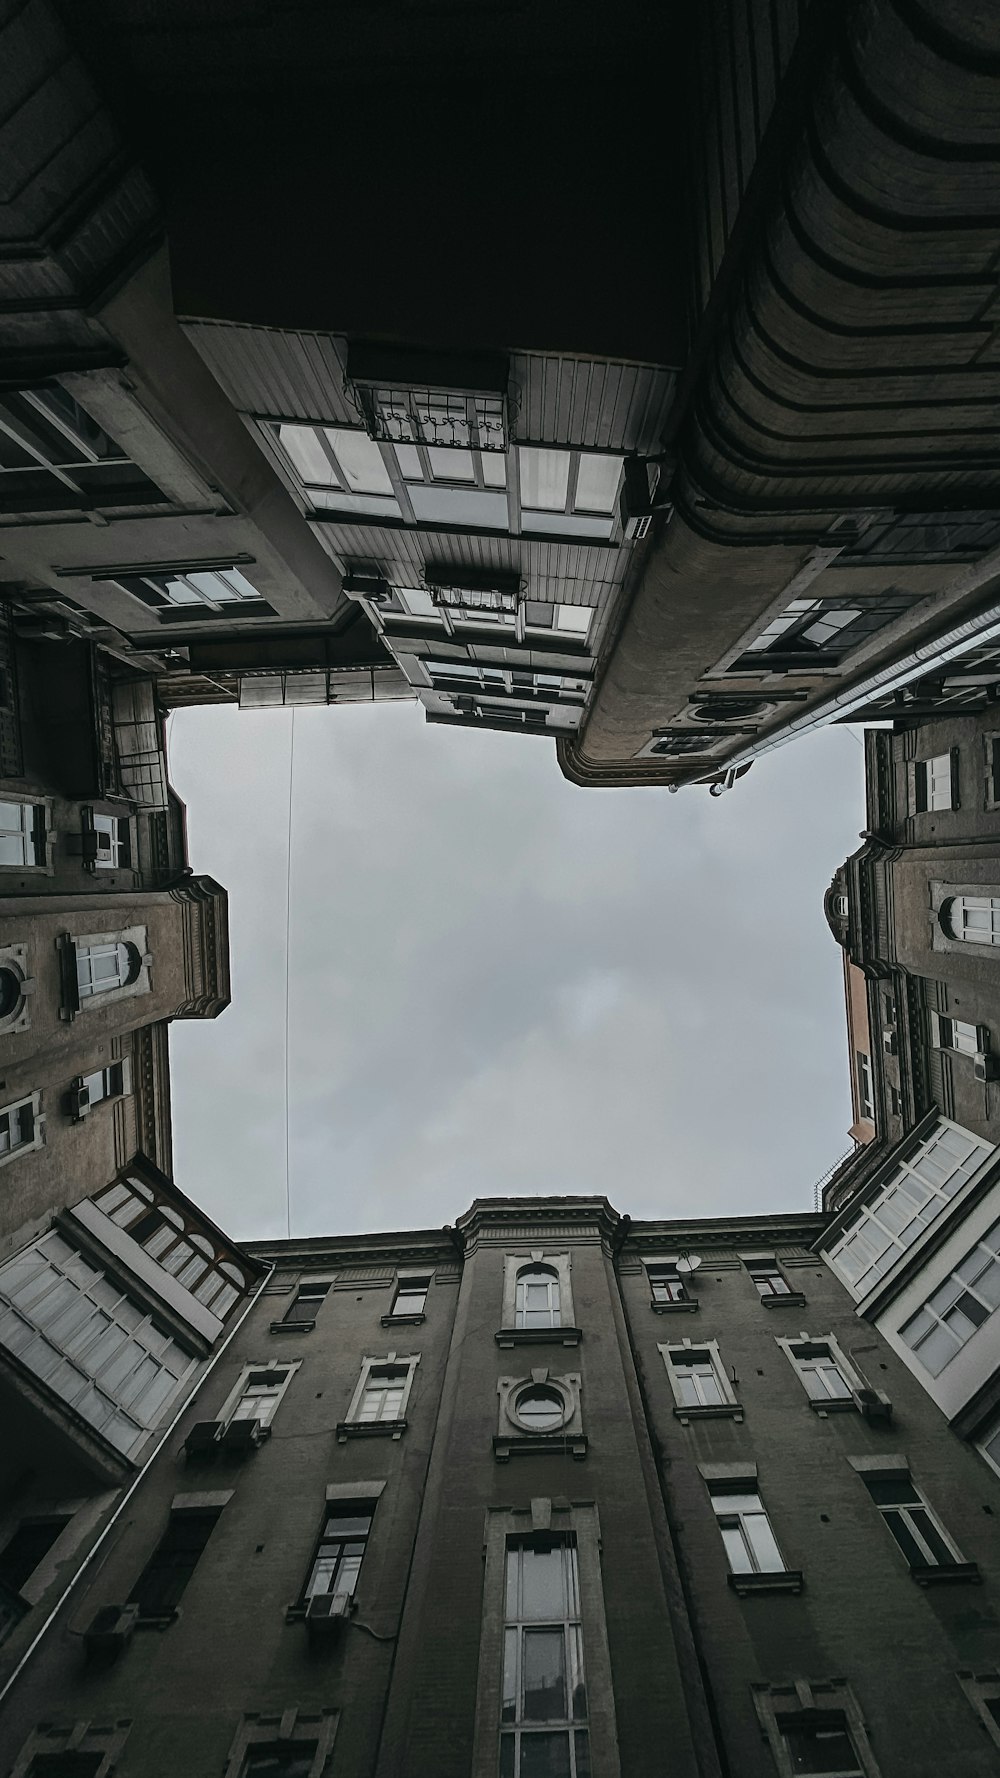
point(131, 1489)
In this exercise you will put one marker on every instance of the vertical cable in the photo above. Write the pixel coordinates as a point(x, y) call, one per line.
point(288, 968)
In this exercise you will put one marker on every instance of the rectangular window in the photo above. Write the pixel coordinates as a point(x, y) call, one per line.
point(112, 1082)
point(821, 1373)
point(866, 1091)
point(989, 1444)
point(28, 1547)
point(932, 784)
point(22, 835)
point(665, 1283)
point(750, 1544)
point(768, 1278)
point(17, 1127)
point(166, 1574)
point(112, 843)
point(958, 1307)
point(544, 1713)
point(217, 588)
point(277, 1760)
point(307, 1302)
point(54, 457)
point(879, 1231)
point(958, 1034)
point(568, 492)
point(411, 1296)
point(819, 1745)
point(341, 1549)
point(384, 1393)
point(812, 633)
point(260, 1395)
point(909, 1518)
point(337, 469)
point(696, 1379)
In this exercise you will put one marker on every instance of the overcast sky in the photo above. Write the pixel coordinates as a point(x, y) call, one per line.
point(504, 984)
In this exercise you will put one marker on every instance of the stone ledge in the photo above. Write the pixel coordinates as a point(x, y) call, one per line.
point(931, 1574)
point(402, 1320)
point(540, 1445)
point(793, 1299)
point(786, 1580)
point(538, 1336)
point(725, 1410)
point(369, 1429)
point(685, 1307)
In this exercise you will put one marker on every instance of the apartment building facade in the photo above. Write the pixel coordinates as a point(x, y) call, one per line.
point(538, 1494)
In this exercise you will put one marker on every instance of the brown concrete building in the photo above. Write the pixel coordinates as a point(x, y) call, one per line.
point(537, 1494)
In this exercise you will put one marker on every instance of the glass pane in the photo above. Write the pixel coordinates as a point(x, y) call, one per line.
point(901, 1531)
point(762, 1541)
point(581, 1747)
point(508, 1747)
point(936, 1350)
point(544, 478)
point(307, 456)
point(408, 458)
point(938, 1548)
point(710, 1388)
point(542, 1586)
point(737, 1554)
point(508, 1707)
point(573, 618)
point(543, 1658)
point(451, 466)
point(239, 584)
point(360, 460)
point(476, 508)
point(494, 469)
point(597, 483)
point(214, 586)
point(820, 1750)
point(544, 1756)
point(687, 1388)
point(577, 1686)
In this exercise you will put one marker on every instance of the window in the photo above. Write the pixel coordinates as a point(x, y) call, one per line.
point(571, 493)
point(698, 1380)
point(988, 1443)
point(537, 1297)
point(983, 1693)
point(158, 1590)
point(750, 1544)
point(341, 1549)
point(72, 1326)
point(768, 1278)
point(665, 1283)
point(218, 588)
point(932, 784)
point(815, 1730)
point(307, 1302)
point(544, 1711)
point(176, 1244)
point(22, 827)
point(911, 1521)
point(866, 1092)
point(16, 986)
point(383, 1394)
point(20, 1128)
point(72, 1750)
point(260, 1394)
point(54, 457)
point(958, 1307)
point(820, 1746)
point(972, 918)
point(878, 1232)
point(28, 1547)
point(112, 845)
point(958, 1034)
point(293, 1744)
point(101, 968)
point(822, 1370)
point(813, 633)
point(112, 1082)
point(378, 1404)
point(410, 1297)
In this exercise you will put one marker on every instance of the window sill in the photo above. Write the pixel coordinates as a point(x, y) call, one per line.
point(281, 1327)
point(538, 1336)
point(539, 1445)
point(161, 1622)
point(725, 1410)
point(402, 1320)
point(783, 1581)
point(933, 1574)
point(833, 1404)
point(369, 1429)
point(794, 1299)
point(674, 1308)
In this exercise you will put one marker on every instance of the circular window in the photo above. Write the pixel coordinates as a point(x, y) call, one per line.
point(726, 709)
point(10, 992)
point(540, 1409)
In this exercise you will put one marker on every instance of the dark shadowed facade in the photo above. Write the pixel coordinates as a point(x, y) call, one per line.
point(532, 1496)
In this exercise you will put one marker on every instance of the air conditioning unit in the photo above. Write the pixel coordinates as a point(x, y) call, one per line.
point(203, 1438)
point(109, 1630)
point(873, 1404)
point(986, 1066)
point(326, 1612)
point(242, 1436)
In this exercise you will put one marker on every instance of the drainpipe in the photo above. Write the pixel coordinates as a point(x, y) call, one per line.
point(131, 1489)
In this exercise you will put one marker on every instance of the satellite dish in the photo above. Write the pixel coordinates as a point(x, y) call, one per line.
point(689, 1262)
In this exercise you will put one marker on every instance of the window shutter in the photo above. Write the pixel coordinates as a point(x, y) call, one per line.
point(937, 1036)
point(956, 796)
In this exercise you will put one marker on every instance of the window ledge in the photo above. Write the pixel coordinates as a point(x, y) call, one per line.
point(786, 1580)
point(674, 1308)
point(369, 1429)
point(281, 1327)
point(724, 1410)
point(538, 1336)
point(932, 1574)
point(832, 1404)
point(793, 1300)
point(402, 1320)
point(161, 1621)
point(541, 1444)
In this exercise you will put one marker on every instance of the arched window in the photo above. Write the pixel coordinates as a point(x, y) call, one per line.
point(536, 1302)
point(101, 968)
point(974, 918)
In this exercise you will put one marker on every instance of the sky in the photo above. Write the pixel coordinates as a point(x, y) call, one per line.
point(502, 984)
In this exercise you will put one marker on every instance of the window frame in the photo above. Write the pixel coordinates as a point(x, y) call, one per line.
point(727, 1407)
point(966, 1288)
point(360, 1496)
point(207, 1509)
point(517, 1438)
point(408, 1284)
point(903, 1478)
point(40, 833)
point(31, 1104)
point(293, 1728)
point(837, 1358)
point(864, 1077)
point(561, 1264)
point(352, 1426)
point(106, 1739)
point(282, 1371)
point(667, 1290)
point(760, 1267)
point(146, 585)
point(75, 943)
point(755, 1577)
point(813, 1703)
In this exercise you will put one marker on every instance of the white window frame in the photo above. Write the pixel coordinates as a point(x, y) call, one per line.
point(662, 1271)
point(89, 941)
point(807, 1700)
point(764, 1266)
point(544, 1518)
point(14, 959)
point(32, 1104)
point(906, 1509)
point(681, 1349)
point(804, 1369)
point(375, 1362)
point(959, 1037)
point(408, 1282)
point(282, 1373)
point(35, 806)
point(937, 784)
point(742, 1523)
point(928, 1196)
point(158, 581)
point(102, 1076)
point(293, 1729)
point(117, 831)
point(964, 1287)
point(559, 1263)
point(959, 931)
point(866, 1086)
